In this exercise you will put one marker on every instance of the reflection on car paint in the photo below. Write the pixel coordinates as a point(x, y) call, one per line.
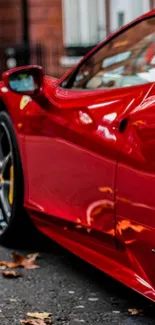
point(126, 224)
point(135, 204)
point(96, 208)
point(106, 190)
point(107, 134)
point(136, 123)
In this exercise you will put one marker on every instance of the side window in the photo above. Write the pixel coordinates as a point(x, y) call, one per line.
point(126, 60)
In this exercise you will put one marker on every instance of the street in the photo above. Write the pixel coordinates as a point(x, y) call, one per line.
point(73, 291)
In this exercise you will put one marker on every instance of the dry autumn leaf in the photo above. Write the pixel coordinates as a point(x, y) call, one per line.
point(12, 274)
point(26, 262)
point(134, 311)
point(33, 322)
point(21, 261)
point(3, 267)
point(38, 319)
point(40, 315)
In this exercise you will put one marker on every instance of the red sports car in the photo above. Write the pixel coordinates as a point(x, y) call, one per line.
point(78, 154)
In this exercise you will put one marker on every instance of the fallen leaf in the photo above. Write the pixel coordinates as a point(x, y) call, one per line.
point(3, 267)
point(12, 274)
point(6, 264)
point(38, 319)
point(21, 261)
point(40, 315)
point(134, 311)
point(26, 262)
point(33, 322)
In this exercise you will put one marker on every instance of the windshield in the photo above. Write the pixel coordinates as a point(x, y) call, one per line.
point(126, 60)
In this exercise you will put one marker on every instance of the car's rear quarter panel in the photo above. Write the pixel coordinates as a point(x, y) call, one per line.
point(135, 200)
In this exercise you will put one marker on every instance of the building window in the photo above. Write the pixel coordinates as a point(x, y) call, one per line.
point(121, 19)
point(84, 22)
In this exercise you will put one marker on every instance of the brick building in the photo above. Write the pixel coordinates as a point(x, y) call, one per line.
point(10, 21)
point(44, 30)
point(58, 32)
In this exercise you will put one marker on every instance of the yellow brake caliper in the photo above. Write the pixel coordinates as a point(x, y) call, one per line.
point(11, 184)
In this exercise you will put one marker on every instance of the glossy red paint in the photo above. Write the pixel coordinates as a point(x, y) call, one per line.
point(89, 169)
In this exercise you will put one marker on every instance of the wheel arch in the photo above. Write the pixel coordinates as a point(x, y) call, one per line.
point(3, 106)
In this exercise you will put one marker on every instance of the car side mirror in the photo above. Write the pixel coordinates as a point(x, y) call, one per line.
point(27, 80)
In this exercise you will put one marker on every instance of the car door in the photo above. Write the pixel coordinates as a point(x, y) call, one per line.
point(71, 163)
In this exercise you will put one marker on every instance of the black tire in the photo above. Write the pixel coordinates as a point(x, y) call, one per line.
point(17, 221)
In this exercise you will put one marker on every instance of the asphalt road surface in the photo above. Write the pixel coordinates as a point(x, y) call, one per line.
point(73, 291)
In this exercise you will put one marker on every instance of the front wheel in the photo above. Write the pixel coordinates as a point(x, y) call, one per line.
point(12, 215)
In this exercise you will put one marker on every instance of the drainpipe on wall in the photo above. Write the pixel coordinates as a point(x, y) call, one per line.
point(107, 11)
point(25, 27)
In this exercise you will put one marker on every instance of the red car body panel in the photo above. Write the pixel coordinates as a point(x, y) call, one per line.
point(90, 187)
